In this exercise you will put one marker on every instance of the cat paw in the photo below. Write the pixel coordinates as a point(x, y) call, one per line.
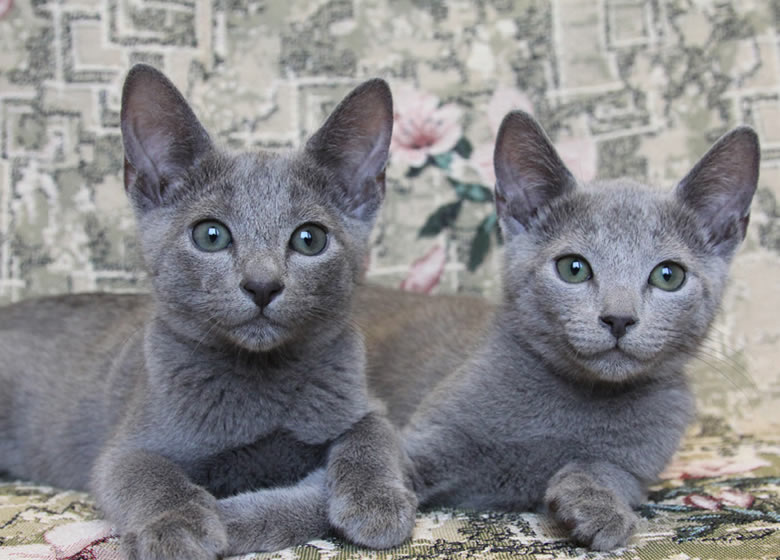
point(595, 516)
point(192, 532)
point(374, 516)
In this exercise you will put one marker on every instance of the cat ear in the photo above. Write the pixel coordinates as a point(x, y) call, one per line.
point(721, 185)
point(354, 142)
point(529, 172)
point(162, 136)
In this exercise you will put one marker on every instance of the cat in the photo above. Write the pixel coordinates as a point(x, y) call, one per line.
point(242, 370)
point(569, 396)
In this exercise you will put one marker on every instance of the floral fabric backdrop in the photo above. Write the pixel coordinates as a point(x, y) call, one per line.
point(623, 87)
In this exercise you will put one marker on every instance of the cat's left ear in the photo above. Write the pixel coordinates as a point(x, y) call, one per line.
point(162, 137)
point(721, 185)
point(354, 143)
point(529, 172)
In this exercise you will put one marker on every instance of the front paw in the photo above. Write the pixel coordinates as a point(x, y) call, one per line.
point(595, 516)
point(190, 532)
point(376, 516)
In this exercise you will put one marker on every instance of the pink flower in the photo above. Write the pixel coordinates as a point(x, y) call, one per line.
point(422, 127)
point(5, 7)
point(481, 161)
point(29, 552)
point(425, 273)
point(503, 100)
point(738, 498)
point(702, 501)
point(709, 468)
point(74, 540)
point(578, 153)
point(727, 497)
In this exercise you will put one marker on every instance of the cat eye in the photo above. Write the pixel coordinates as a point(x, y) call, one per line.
point(309, 239)
point(668, 276)
point(211, 236)
point(573, 269)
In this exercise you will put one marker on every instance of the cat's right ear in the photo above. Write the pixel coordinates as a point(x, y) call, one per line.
point(162, 136)
point(529, 172)
point(354, 143)
point(721, 185)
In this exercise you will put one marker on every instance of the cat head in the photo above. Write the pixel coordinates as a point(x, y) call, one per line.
point(613, 281)
point(252, 249)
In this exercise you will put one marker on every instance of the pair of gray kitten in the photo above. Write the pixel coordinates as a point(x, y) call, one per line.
point(229, 411)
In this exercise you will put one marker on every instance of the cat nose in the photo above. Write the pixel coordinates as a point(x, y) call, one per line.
point(618, 323)
point(262, 293)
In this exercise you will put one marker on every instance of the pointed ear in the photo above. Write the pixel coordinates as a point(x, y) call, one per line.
point(161, 135)
point(354, 142)
point(529, 172)
point(721, 185)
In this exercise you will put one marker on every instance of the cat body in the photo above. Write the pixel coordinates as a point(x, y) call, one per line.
point(242, 370)
point(569, 396)
point(297, 406)
point(415, 341)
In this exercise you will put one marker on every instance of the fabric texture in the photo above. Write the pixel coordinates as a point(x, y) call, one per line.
point(623, 87)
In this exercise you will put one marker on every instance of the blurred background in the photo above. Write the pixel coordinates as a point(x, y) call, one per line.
point(623, 87)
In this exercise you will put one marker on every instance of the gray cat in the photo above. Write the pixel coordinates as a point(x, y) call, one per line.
point(242, 370)
point(570, 396)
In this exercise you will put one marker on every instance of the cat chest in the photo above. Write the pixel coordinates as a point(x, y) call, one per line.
point(230, 414)
point(637, 432)
point(277, 459)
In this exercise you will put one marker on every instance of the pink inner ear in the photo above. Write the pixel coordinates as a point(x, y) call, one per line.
point(721, 185)
point(129, 174)
point(371, 162)
point(529, 171)
point(354, 143)
point(162, 136)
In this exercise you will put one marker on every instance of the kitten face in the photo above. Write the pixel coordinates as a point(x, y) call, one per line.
point(253, 250)
point(206, 290)
point(613, 322)
point(614, 281)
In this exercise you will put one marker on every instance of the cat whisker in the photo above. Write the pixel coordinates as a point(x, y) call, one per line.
point(715, 352)
point(712, 362)
point(212, 324)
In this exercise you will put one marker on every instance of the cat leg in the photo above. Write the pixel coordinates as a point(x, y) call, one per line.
point(276, 518)
point(370, 499)
point(160, 513)
point(594, 501)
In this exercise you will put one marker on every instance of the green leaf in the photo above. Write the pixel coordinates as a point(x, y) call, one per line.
point(415, 171)
point(463, 148)
point(442, 160)
point(471, 191)
point(490, 222)
point(478, 193)
point(480, 245)
point(444, 216)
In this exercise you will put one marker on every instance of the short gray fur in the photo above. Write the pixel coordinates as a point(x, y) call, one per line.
point(540, 403)
point(173, 408)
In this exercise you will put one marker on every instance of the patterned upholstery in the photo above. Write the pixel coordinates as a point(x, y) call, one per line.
point(624, 87)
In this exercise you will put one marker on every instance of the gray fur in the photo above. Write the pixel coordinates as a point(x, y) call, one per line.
point(164, 404)
point(552, 408)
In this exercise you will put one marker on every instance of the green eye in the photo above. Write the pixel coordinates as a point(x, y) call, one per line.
point(309, 240)
point(573, 269)
point(211, 236)
point(668, 276)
